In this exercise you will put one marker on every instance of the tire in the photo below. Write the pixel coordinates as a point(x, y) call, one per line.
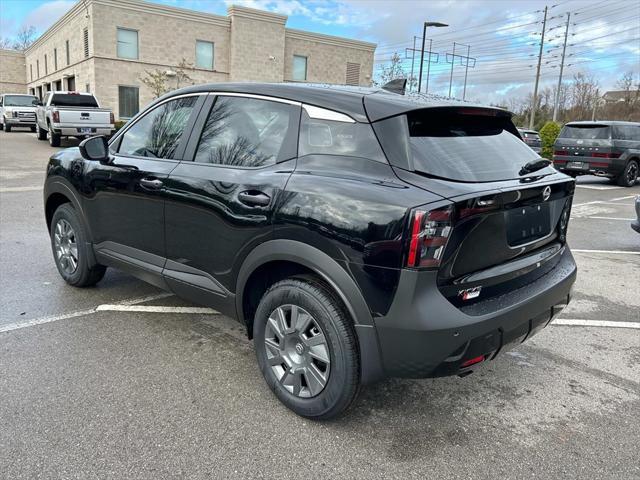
point(33, 128)
point(41, 132)
point(629, 175)
point(1, 126)
point(54, 139)
point(7, 128)
point(80, 274)
point(328, 334)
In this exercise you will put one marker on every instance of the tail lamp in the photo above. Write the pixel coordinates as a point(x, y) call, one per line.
point(55, 116)
point(111, 118)
point(430, 231)
point(605, 155)
point(563, 223)
point(560, 152)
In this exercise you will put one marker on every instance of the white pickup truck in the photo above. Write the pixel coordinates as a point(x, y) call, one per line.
point(72, 114)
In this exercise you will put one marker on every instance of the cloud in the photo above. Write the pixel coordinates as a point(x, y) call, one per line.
point(47, 14)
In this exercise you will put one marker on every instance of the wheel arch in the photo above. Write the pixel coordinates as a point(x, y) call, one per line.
point(299, 258)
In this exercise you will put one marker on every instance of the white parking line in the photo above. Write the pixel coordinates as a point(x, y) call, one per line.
point(595, 323)
point(54, 318)
point(20, 189)
point(622, 198)
point(614, 252)
point(154, 309)
point(613, 218)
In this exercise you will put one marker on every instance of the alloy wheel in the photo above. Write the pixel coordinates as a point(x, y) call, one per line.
point(297, 351)
point(632, 173)
point(64, 239)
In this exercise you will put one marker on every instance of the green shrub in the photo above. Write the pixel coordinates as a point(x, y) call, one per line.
point(119, 124)
point(548, 133)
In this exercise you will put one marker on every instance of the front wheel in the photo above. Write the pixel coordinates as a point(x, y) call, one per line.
point(307, 348)
point(71, 249)
point(33, 128)
point(41, 133)
point(629, 175)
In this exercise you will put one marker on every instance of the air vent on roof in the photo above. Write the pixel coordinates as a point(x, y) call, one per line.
point(353, 73)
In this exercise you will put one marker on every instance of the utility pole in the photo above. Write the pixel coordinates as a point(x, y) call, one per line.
point(453, 60)
point(426, 88)
point(556, 104)
point(466, 69)
point(429, 53)
point(532, 117)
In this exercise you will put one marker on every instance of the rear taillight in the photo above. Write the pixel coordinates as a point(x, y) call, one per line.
point(563, 223)
point(55, 116)
point(605, 155)
point(560, 152)
point(430, 233)
point(111, 118)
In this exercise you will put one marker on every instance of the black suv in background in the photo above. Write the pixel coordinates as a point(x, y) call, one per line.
point(610, 149)
point(356, 233)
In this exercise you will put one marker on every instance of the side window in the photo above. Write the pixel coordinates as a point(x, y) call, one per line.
point(247, 132)
point(627, 132)
point(330, 137)
point(157, 134)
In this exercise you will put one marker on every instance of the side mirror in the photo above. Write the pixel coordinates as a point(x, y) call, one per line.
point(95, 148)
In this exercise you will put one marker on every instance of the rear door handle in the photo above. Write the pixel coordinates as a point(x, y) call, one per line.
point(254, 198)
point(151, 183)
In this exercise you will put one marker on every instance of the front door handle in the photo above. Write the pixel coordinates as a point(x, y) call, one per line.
point(254, 198)
point(151, 183)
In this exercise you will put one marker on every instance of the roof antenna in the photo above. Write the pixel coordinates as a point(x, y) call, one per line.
point(396, 86)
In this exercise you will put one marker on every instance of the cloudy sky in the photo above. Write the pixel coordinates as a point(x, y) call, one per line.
point(502, 36)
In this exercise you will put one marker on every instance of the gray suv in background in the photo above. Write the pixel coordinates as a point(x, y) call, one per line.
point(532, 139)
point(605, 148)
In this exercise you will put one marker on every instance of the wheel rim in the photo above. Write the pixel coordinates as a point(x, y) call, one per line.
point(632, 172)
point(64, 240)
point(297, 351)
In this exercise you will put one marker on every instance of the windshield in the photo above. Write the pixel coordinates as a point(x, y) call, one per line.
point(20, 101)
point(73, 100)
point(469, 147)
point(586, 132)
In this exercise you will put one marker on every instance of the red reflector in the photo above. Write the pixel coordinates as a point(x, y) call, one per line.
point(415, 237)
point(559, 161)
point(605, 155)
point(472, 361)
point(599, 164)
point(560, 152)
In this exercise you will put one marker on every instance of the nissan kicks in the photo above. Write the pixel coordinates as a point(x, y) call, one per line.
point(356, 233)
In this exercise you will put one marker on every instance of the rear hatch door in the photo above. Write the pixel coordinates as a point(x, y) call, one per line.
point(580, 146)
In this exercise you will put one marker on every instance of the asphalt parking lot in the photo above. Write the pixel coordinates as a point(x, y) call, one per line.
point(92, 387)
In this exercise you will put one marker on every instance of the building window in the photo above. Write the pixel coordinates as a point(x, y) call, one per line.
point(299, 68)
point(31, 70)
point(37, 68)
point(353, 73)
point(85, 39)
point(55, 59)
point(128, 103)
point(127, 43)
point(71, 84)
point(204, 54)
point(46, 66)
point(87, 88)
point(66, 46)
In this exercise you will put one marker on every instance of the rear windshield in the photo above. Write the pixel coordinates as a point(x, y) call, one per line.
point(71, 100)
point(456, 145)
point(586, 132)
point(20, 101)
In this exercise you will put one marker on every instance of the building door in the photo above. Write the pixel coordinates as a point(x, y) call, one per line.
point(71, 84)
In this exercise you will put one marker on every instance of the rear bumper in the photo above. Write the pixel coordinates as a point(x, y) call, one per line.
point(589, 165)
point(424, 335)
point(73, 131)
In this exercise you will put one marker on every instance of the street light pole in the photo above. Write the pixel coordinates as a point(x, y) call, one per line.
point(424, 34)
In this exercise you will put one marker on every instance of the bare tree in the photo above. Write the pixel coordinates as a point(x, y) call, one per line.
point(585, 94)
point(393, 70)
point(24, 38)
point(6, 43)
point(156, 81)
point(181, 73)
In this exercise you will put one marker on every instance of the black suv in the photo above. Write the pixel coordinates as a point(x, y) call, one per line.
point(357, 233)
point(610, 149)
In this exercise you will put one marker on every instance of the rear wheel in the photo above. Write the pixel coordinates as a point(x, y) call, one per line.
point(71, 249)
point(42, 133)
point(629, 176)
point(306, 348)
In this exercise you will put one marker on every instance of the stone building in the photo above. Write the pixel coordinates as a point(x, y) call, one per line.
point(106, 46)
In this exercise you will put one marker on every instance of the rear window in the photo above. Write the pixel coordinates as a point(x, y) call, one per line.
point(20, 101)
point(71, 100)
point(586, 132)
point(462, 145)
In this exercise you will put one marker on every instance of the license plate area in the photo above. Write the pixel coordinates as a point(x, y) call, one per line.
point(85, 130)
point(526, 224)
point(577, 165)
